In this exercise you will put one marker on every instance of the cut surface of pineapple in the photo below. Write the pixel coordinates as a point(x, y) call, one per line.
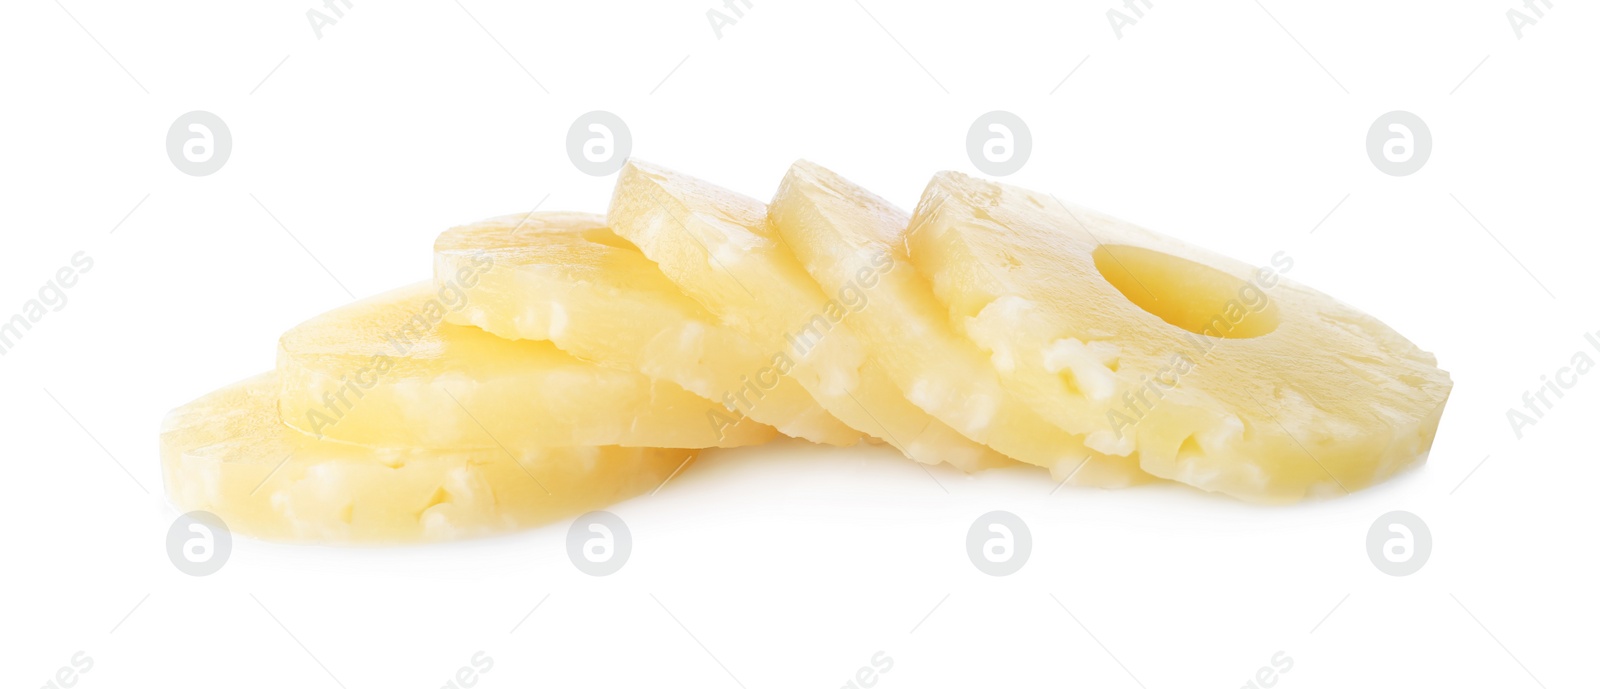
point(717, 246)
point(566, 278)
point(228, 453)
point(841, 232)
point(388, 371)
point(1212, 372)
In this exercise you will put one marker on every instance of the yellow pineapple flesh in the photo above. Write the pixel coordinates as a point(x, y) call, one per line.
point(841, 232)
point(388, 371)
point(717, 246)
point(1211, 372)
point(566, 278)
point(228, 453)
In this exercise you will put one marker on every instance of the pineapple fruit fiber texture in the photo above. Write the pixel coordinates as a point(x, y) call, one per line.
point(1215, 373)
point(228, 453)
point(387, 370)
point(839, 232)
point(718, 247)
point(567, 279)
point(560, 362)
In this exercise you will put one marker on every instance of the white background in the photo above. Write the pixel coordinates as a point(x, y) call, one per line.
point(792, 566)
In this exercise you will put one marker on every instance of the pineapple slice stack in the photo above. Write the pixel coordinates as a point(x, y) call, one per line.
point(425, 382)
point(842, 233)
point(717, 246)
point(566, 279)
point(560, 362)
point(230, 454)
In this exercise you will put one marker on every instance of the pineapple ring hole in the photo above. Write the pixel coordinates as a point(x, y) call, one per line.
point(1189, 295)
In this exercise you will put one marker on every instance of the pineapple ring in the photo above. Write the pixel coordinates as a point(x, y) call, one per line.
point(1233, 380)
point(550, 265)
point(841, 232)
point(229, 454)
point(387, 371)
point(717, 246)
